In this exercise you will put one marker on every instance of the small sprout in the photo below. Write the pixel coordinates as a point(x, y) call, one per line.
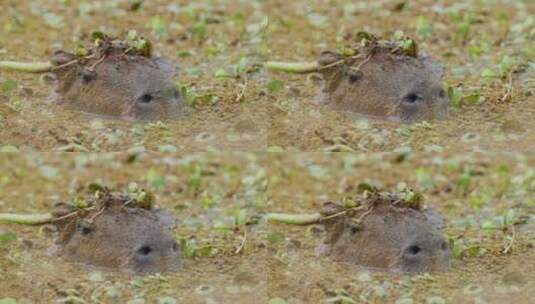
point(144, 199)
point(365, 38)
point(414, 200)
point(8, 86)
point(132, 35)
point(80, 51)
point(398, 35)
point(93, 188)
point(80, 203)
point(275, 238)
point(7, 237)
point(158, 26)
point(424, 28)
point(98, 36)
point(488, 75)
point(410, 48)
point(506, 66)
point(143, 47)
point(365, 187)
point(136, 5)
point(349, 51)
point(350, 202)
point(275, 86)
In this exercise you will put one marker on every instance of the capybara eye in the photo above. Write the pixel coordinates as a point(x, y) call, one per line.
point(146, 98)
point(444, 246)
point(144, 250)
point(175, 246)
point(411, 98)
point(84, 228)
point(354, 75)
point(414, 249)
point(442, 93)
point(354, 230)
point(87, 76)
point(177, 94)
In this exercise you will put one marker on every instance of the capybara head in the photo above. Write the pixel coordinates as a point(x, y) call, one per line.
point(383, 82)
point(383, 233)
point(114, 234)
point(112, 82)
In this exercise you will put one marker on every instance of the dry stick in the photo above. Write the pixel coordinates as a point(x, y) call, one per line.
point(308, 67)
point(28, 67)
point(97, 214)
point(241, 94)
point(292, 67)
point(294, 219)
point(65, 64)
point(314, 218)
point(509, 247)
point(26, 219)
point(244, 240)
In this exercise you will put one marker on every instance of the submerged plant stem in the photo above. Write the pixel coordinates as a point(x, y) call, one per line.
point(26, 219)
point(27, 67)
point(293, 67)
point(294, 219)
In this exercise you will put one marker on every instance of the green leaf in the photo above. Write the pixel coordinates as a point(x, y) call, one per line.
point(205, 251)
point(455, 95)
point(155, 179)
point(506, 65)
point(275, 238)
point(158, 26)
point(275, 86)
point(95, 187)
point(473, 99)
point(8, 86)
point(488, 74)
point(7, 237)
point(424, 28)
point(222, 74)
point(98, 35)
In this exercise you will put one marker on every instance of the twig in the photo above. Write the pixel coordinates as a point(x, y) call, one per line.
point(26, 219)
point(65, 65)
point(314, 218)
point(244, 240)
point(241, 94)
point(509, 246)
point(29, 67)
point(294, 219)
point(92, 67)
point(96, 214)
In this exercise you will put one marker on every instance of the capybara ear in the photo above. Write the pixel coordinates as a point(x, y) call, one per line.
point(330, 208)
point(166, 218)
point(433, 66)
point(62, 57)
point(435, 219)
point(166, 66)
point(329, 57)
point(62, 209)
